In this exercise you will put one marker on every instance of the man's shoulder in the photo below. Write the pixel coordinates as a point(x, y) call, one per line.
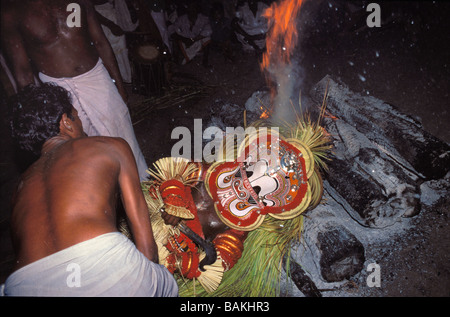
point(102, 140)
point(105, 144)
point(102, 148)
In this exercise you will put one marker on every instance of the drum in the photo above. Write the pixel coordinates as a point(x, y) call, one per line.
point(148, 70)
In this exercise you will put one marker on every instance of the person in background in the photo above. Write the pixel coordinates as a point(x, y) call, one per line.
point(158, 11)
point(115, 19)
point(191, 33)
point(42, 37)
point(250, 25)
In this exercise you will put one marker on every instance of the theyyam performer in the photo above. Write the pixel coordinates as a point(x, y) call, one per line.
point(238, 216)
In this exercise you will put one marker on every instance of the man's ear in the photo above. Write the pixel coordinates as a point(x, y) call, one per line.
point(66, 124)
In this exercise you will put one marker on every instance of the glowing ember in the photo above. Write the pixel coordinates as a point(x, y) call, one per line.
point(264, 114)
point(327, 114)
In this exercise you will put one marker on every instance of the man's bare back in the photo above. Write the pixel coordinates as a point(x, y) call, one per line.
point(68, 196)
point(64, 208)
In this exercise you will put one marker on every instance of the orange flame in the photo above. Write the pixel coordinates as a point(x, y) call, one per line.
point(264, 114)
point(281, 38)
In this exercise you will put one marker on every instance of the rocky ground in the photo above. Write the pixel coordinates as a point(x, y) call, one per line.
point(404, 63)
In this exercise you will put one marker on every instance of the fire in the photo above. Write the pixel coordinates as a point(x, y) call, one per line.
point(264, 114)
point(281, 38)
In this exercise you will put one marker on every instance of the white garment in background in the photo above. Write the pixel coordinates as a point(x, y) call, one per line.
point(202, 26)
point(161, 23)
point(101, 109)
point(117, 12)
point(123, 16)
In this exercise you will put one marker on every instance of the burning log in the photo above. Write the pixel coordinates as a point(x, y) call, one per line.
point(342, 254)
point(330, 250)
point(377, 188)
point(301, 279)
point(259, 103)
point(399, 136)
point(381, 156)
point(382, 159)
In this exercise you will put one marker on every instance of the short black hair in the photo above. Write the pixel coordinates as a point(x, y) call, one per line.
point(36, 113)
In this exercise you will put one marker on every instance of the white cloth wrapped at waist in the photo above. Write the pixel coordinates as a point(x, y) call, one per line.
point(107, 265)
point(101, 108)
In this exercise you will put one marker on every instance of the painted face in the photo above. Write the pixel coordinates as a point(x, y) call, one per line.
point(269, 177)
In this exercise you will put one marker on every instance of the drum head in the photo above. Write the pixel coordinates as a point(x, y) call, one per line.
point(146, 54)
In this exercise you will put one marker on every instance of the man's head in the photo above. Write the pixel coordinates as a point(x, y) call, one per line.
point(40, 113)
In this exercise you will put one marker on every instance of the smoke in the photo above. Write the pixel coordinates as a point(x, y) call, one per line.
point(288, 80)
point(286, 75)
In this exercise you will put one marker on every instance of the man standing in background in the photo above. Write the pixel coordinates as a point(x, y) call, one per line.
point(64, 42)
point(116, 20)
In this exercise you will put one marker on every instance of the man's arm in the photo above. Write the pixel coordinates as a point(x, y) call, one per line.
point(14, 48)
point(114, 28)
point(134, 202)
point(104, 49)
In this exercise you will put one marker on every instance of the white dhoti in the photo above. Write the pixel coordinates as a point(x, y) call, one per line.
point(108, 265)
point(161, 24)
point(101, 108)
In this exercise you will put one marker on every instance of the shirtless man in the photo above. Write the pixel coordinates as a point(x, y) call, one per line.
point(39, 36)
point(65, 208)
point(36, 34)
